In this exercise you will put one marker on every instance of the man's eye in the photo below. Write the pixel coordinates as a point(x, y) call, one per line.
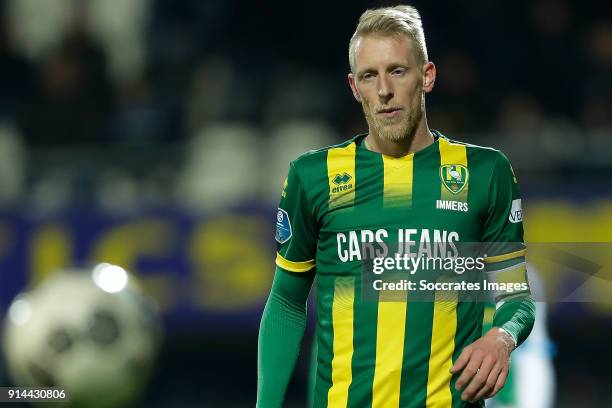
point(368, 76)
point(398, 71)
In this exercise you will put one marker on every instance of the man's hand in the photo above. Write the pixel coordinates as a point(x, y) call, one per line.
point(484, 365)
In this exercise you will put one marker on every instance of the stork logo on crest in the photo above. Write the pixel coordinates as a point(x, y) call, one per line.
point(454, 177)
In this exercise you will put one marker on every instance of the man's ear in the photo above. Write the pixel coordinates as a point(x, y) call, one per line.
point(429, 76)
point(351, 80)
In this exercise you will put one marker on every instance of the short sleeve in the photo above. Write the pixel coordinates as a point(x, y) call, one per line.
point(503, 228)
point(296, 231)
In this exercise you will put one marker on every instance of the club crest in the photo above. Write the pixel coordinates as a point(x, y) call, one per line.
point(454, 177)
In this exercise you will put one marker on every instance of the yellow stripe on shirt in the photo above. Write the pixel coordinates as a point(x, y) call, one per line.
point(342, 322)
point(453, 153)
point(390, 333)
point(341, 176)
point(442, 347)
point(398, 181)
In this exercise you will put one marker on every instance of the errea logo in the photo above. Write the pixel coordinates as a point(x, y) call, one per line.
point(516, 212)
point(342, 178)
point(342, 182)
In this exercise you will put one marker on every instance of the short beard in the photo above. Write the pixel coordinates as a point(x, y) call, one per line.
point(404, 130)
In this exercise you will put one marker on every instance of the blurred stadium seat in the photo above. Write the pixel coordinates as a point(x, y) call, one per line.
point(286, 142)
point(12, 164)
point(219, 167)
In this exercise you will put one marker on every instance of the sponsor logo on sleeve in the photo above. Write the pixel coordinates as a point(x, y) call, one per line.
point(283, 226)
point(516, 212)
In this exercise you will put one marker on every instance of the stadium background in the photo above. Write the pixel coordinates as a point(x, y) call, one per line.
point(155, 134)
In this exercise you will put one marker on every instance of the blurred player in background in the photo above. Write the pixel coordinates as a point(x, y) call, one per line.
point(401, 182)
point(531, 380)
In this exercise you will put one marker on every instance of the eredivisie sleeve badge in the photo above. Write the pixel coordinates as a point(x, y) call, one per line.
point(283, 226)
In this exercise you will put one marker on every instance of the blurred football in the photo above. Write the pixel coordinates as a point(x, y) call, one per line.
point(92, 333)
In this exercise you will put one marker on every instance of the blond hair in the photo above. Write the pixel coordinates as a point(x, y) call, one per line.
point(398, 20)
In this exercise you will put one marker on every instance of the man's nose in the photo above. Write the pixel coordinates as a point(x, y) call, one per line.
point(385, 90)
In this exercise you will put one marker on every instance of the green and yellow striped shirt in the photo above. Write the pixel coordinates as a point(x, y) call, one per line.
point(344, 200)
